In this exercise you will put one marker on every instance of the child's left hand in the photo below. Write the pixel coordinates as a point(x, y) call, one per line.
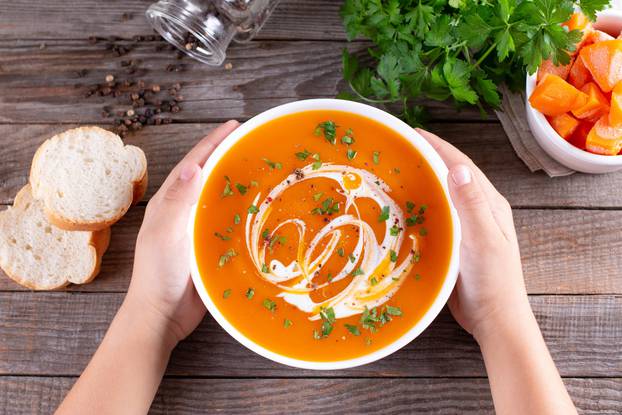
point(161, 288)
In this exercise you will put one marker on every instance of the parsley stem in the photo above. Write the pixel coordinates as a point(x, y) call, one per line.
point(485, 55)
point(376, 101)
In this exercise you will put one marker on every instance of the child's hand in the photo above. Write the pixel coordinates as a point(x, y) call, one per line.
point(161, 287)
point(490, 287)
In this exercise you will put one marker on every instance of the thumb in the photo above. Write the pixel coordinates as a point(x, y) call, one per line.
point(471, 203)
point(174, 207)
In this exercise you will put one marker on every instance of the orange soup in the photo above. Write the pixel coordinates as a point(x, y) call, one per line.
point(323, 236)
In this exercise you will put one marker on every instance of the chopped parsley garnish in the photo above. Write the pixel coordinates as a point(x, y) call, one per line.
point(352, 258)
point(273, 164)
point(423, 231)
point(348, 138)
point(417, 277)
point(368, 341)
point(221, 236)
point(340, 252)
point(373, 281)
point(384, 215)
point(226, 294)
point(396, 170)
point(422, 209)
point(250, 293)
point(353, 329)
point(264, 268)
point(394, 311)
point(317, 163)
point(350, 154)
point(328, 319)
point(269, 305)
point(226, 257)
point(227, 191)
point(287, 323)
point(317, 196)
point(409, 207)
point(416, 256)
point(329, 128)
point(236, 219)
point(254, 183)
point(229, 229)
point(369, 318)
point(394, 231)
point(302, 155)
point(393, 256)
point(328, 207)
point(376, 157)
point(357, 271)
point(241, 188)
point(265, 234)
point(253, 209)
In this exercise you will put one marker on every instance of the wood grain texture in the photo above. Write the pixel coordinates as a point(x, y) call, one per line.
point(43, 85)
point(56, 334)
point(557, 248)
point(59, 19)
point(486, 144)
point(274, 396)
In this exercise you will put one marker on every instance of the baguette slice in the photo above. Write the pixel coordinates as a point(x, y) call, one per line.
point(40, 256)
point(87, 179)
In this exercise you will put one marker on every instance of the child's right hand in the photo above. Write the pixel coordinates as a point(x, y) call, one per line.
point(490, 290)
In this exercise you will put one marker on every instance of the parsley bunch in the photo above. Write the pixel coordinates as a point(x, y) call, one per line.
point(459, 49)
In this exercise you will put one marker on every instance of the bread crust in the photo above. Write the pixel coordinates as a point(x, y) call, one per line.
point(98, 243)
point(139, 190)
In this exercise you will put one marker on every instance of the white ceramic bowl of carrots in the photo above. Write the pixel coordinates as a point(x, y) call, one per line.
point(609, 21)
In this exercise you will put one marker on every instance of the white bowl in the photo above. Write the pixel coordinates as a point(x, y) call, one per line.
point(609, 21)
point(426, 151)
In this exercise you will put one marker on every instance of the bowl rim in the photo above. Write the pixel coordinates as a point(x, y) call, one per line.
point(428, 153)
point(554, 138)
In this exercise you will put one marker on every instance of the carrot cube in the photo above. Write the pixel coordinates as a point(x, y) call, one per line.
point(579, 75)
point(564, 124)
point(579, 135)
point(578, 21)
point(615, 113)
point(548, 66)
point(604, 61)
point(554, 96)
point(596, 106)
point(604, 138)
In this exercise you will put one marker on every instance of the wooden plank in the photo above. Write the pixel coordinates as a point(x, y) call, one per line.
point(557, 248)
point(56, 334)
point(58, 19)
point(311, 396)
point(45, 85)
point(486, 144)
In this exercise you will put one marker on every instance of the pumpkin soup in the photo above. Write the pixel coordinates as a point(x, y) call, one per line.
point(323, 235)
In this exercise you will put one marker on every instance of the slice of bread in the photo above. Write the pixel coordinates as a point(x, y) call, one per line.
point(87, 178)
point(40, 256)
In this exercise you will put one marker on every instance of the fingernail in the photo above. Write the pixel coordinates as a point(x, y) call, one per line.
point(461, 175)
point(187, 173)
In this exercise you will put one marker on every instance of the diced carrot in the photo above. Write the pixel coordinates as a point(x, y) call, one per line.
point(579, 74)
point(615, 113)
point(564, 124)
point(596, 106)
point(554, 96)
point(580, 133)
point(604, 138)
point(604, 61)
point(548, 66)
point(578, 21)
point(596, 36)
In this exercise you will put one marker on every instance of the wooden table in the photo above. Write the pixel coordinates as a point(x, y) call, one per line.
point(569, 228)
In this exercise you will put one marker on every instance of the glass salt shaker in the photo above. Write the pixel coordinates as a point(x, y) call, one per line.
point(204, 29)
